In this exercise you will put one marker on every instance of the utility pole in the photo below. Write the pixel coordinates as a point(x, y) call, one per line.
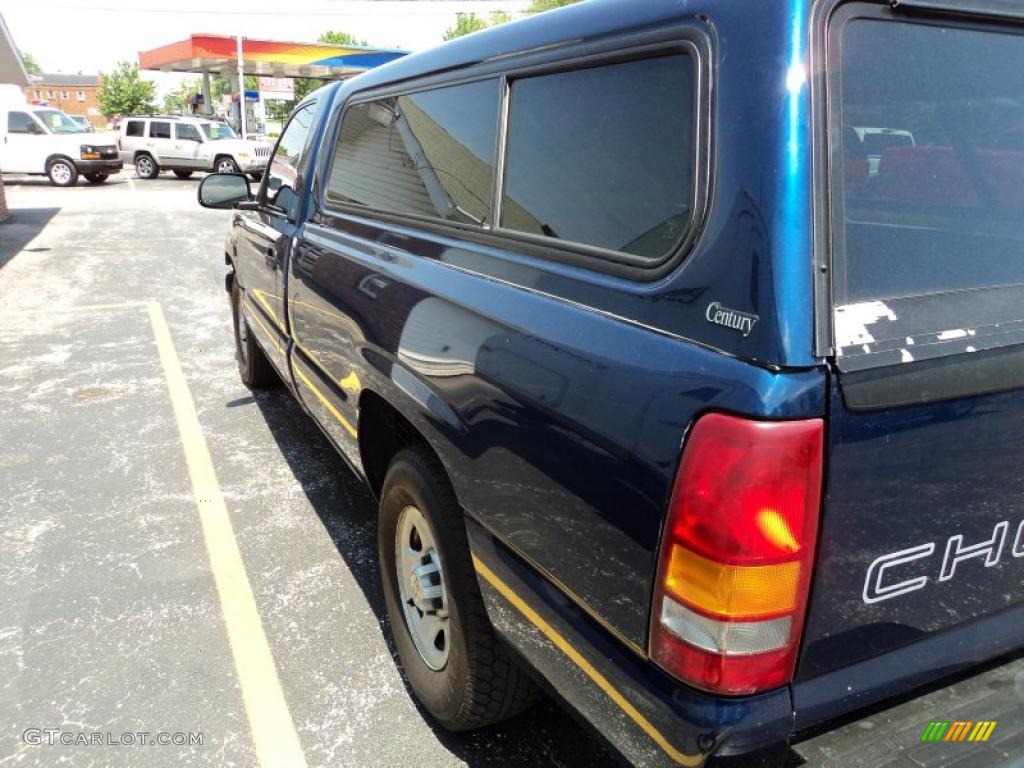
point(207, 97)
point(241, 88)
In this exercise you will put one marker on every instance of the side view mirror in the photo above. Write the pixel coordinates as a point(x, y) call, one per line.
point(224, 190)
point(35, 128)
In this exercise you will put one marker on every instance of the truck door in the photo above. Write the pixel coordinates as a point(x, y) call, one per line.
point(922, 529)
point(265, 238)
point(24, 146)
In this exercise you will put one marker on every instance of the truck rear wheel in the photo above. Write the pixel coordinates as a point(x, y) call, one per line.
point(455, 665)
point(253, 367)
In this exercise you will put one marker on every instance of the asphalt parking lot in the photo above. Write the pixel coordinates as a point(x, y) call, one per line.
point(113, 590)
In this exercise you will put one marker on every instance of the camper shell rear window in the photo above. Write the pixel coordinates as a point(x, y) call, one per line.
point(926, 158)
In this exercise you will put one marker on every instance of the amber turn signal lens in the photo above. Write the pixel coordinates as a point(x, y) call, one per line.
point(732, 591)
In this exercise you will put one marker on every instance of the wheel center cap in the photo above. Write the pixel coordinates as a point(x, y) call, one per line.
point(417, 591)
point(425, 586)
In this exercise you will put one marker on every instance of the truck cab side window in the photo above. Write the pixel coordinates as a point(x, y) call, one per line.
point(283, 168)
point(428, 153)
point(20, 122)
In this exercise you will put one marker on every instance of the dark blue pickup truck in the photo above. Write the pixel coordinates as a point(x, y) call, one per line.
point(682, 344)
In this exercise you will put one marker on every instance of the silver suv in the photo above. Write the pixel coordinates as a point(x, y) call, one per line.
point(187, 144)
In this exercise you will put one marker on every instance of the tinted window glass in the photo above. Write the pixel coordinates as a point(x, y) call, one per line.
point(285, 162)
point(158, 130)
point(428, 153)
point(933, 159)
point(19, 122)
point(186, 131)
point(135, 128)
point(604, 156)
point(930, 188)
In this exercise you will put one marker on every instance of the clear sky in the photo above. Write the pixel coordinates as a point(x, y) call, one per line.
point(91, 36)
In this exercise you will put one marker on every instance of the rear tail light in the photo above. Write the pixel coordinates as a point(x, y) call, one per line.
point(737, 552)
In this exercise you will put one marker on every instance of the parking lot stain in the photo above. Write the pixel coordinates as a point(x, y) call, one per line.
point(91, 395)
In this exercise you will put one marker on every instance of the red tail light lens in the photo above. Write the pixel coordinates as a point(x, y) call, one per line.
point(737, 553)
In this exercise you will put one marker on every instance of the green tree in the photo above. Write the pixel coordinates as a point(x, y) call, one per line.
point(305, 86)
point(335, 37)
point(467, 23)
point(178, 100)
point(31, 65)
point(221, 85)
point(279, 110)
point(123, 92)
point(539, 6)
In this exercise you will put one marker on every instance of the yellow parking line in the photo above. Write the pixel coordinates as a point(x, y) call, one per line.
point(273, 732)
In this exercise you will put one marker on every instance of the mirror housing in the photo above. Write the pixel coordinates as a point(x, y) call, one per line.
point(224, 190)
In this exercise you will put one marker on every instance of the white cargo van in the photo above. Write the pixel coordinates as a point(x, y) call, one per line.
point(45, 141)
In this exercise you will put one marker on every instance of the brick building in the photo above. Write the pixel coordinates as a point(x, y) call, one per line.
point(73, 94)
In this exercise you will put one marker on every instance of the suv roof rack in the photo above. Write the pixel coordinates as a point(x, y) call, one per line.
point(208, 118)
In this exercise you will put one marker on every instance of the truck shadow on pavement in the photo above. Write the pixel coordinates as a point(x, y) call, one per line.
point(20, 229)
point(546, 734)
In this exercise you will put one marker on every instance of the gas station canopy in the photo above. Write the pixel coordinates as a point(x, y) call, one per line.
point(218, 54)
point(12, 71)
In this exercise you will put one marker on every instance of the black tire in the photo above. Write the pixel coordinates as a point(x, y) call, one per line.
point(62, 172)
point(479, 683)
point(225, 164)
point(96, 178)
point(183, 174)
point(146, 167)
point(253, 367)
